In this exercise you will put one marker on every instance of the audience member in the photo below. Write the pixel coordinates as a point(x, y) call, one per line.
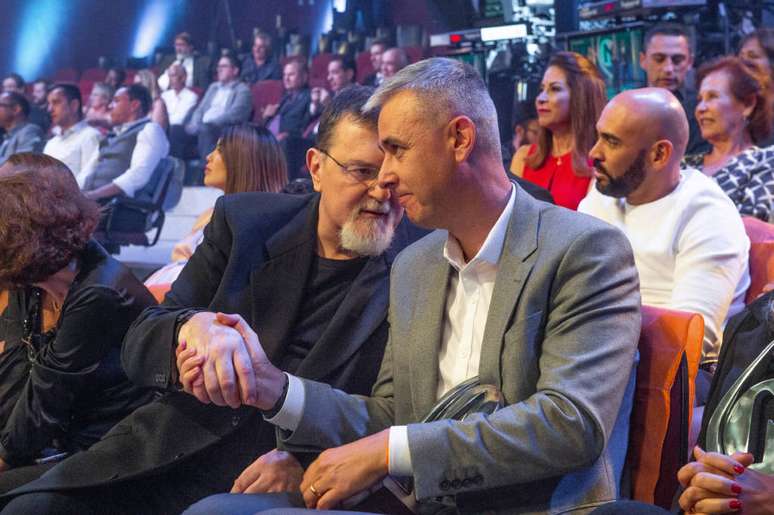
point(228, 101)
point(261, 64)
point(525, 132)
point(129, 155)
point(69, 307)
point(572, 94)
point(341, 72)
point(158, 112)
point(180, 101)
point(75, 143)
point(494, 295)
point(14, 83)
point(310, 273)
point(197, 67)
point(689, 243)
point(735, 117)
point(291, 116)
point(97, 111)
point(20, 134)
point(115, 78)
point(39, 105)
point(393, 60)
point(378, 46)
point(667, 58)
point(246, 158)
point(757, 52)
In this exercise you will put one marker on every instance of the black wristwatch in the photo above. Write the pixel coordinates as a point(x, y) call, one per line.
point(280, 401)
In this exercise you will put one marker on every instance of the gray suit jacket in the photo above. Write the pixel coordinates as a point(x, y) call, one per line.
point(239, 109)
point(26, 137)
point(561, 343)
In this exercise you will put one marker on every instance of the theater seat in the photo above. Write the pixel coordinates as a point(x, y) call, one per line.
point(265, 92)
point(761, 236)
point(94, 74)
point(670, 350)
point(319, 67)
point(129, 219)
point(364, 68)
point(66, 75)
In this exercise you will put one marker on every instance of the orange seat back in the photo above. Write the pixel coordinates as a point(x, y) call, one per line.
point(670, 349)
point(3, 300)
point(761, 236)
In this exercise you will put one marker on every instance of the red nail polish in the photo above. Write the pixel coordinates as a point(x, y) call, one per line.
point(735, 504)
point(736, 488)
point(738, 469)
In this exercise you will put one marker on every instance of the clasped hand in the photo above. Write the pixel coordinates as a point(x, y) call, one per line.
point(221, 361)
point(716, 483)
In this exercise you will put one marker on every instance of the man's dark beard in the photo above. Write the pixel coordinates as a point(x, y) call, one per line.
point(622, 186)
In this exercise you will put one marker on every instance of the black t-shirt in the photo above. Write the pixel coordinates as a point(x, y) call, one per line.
point(328, 283)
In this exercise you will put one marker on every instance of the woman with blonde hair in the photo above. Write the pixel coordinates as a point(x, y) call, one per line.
point(572, 95)
point(158, 112)
point(246, 158)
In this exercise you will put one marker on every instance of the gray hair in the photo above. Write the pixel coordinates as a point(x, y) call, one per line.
point(447, 88)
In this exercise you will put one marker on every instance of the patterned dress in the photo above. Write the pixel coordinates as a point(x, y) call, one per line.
point(748, 179)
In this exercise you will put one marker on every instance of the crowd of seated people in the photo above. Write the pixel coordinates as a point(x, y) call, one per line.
point(272, 346)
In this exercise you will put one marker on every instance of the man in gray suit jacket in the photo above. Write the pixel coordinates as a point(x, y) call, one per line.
point(226, 102)
point(21, 135)
point(537, 300)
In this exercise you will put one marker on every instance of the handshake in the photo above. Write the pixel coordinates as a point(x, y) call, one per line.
point(221, 361)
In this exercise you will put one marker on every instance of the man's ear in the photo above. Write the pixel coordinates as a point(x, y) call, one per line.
point(643, 58)
point(462, 132)
point(661, 153)
point(313, 163)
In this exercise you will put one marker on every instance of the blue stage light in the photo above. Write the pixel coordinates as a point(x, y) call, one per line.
point(153, 26)
point(41, 22)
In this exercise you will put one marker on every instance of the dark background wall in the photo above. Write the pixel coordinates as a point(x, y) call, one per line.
point(41, 36)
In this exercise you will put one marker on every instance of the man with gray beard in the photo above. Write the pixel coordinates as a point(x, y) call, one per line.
point(309, 274)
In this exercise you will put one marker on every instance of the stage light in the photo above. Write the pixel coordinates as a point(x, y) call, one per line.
point(155, 20)
point(40, 23)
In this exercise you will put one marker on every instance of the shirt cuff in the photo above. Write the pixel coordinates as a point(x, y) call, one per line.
point(400, 456)
point(289, 415)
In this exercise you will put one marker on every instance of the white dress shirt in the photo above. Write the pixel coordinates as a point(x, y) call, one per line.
point(188, 64)
point(152, 145)
point(179, 104)
point(690, 249)
point(467, 305)
point(74, 146)
point(219, 102)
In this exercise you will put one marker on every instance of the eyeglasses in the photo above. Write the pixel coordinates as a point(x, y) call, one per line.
point(360, 173)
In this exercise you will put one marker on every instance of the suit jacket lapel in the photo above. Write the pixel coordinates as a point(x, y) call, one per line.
point(515, 263)
point(363, 309)
point(277, 285)
point(427, 331)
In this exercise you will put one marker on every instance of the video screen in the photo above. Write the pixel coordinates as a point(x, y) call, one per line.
point(617, 55)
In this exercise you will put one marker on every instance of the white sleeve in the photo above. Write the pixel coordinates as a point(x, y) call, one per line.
point(400, 455)
point(87, 170)
point(164, 80)
point(89, 149)
point(292, 409)
point(152, 145)
point(710, 267)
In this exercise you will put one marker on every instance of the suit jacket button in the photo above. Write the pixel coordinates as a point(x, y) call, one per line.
point(114, 476)
point(235, 420)
point(179, 455)
point(456, 484)
point(478, 479)
point(466, 483)
point(445, 485)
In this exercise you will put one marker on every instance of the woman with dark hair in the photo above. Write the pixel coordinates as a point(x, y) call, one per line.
point(572, 95)
point(734, 118)
point(68, 306)
point(246, 158)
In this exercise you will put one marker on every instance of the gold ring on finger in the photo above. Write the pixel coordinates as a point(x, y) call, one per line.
point(314, 491)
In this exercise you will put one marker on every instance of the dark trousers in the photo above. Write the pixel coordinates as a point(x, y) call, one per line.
point(181, 144)
point(227, 504)
point(168, 491)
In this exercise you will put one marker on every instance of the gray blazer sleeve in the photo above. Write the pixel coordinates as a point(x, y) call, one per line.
point(30, 139)
point(240, 109)
point(195, 119)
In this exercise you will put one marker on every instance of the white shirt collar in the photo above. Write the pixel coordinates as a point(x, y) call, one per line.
point(492, 248)
point(121, 128)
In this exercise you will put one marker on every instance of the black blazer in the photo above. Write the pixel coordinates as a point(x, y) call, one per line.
point(254, 260)
point(70, 390)
point(294, 112)
point(201, 69)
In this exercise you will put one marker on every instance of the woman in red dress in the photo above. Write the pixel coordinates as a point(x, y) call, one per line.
point(572, 95)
